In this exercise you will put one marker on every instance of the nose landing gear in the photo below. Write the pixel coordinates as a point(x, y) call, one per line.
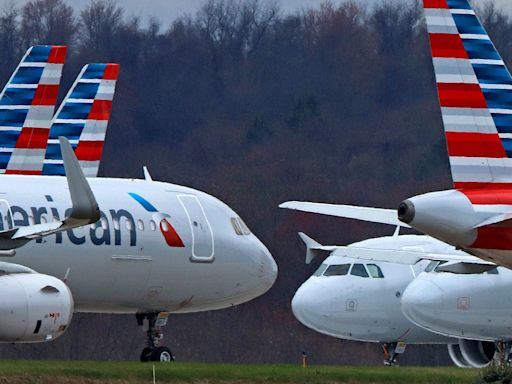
point(392, 351)
point(152, 323)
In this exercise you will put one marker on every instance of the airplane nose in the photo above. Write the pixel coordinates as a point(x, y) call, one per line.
point(307, 306)
point(422, 303)
point(267, 267)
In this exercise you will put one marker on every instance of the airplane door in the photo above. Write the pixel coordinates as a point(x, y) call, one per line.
point(6, 215)
point(202, 234)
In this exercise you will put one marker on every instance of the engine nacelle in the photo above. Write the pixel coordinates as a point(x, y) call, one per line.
point(33, 308)
point(456, 356)
point(478, 354)
point(447, 215)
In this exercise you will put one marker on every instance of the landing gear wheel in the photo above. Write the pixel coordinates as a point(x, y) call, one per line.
point(162, 354)
point(146, 354)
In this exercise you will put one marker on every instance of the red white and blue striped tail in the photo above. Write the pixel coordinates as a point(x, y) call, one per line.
point(475, 94)
point(27, 104)
point(83, 118)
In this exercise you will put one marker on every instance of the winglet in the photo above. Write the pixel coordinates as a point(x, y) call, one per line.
point(85, 207)
point(313, 248)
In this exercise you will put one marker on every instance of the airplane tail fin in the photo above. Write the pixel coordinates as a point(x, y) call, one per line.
point(82, 118)
point(475, 93)
point(27, 103)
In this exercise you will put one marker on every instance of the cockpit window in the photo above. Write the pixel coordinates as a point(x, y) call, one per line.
point(245, 229)
point(375, 271)
point(431, 266)
point(359, 270)
point(320, 270)
point(236, 226)
point(493, 271)
point(337, 270)
point(240, 227)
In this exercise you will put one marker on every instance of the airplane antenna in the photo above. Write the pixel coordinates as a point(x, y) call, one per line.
point(147, 175)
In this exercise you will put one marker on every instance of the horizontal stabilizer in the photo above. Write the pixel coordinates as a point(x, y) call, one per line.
point(501, 218)
point(313, 248)
point(373, 215)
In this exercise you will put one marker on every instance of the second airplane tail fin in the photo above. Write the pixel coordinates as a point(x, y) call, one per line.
point(27, 104)
point(83, 118)
point(475, 93)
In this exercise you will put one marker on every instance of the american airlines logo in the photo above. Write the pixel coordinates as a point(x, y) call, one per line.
point(107, 231)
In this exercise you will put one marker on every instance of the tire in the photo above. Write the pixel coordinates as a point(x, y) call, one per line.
point(146, 354)
point(162, 354)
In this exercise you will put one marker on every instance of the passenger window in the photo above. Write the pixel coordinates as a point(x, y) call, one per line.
point(236, 226)
point(375, 271)
point(31, 220)
point(140, 224)
point(116, 224)
point(359, 270)
point(320, 270)
point(104, 224)
point(152, 225)
point(337, 270)
point(129, 225)
point(165, 226)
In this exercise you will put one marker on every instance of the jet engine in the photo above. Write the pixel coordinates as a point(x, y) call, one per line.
point(472, 353)
point(33, 308)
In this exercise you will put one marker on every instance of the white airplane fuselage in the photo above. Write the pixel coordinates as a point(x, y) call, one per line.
point(366, 308)
point(474, 306)
point(132, 260)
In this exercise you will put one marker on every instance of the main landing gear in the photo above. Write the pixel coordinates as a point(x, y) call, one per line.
point(152, 323)
point(392, 351)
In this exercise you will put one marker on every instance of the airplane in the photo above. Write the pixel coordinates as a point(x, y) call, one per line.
point(467, 306)
point(474, 88)
point(457, 295)
point(358, 293)
point(134, 246)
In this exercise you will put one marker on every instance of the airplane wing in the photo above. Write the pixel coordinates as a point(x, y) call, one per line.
point(84, 208)
point(374, 215)
point(453, 262)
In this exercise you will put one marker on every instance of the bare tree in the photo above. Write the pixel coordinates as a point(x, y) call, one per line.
point(9, 39)
point(99, 24)
point(48, 22)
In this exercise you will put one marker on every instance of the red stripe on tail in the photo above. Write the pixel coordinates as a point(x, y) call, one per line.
point(490, 196)
point(22, 172)
point(57, 54)
point(100, 110)
point(33, 138)
point(46, 94)
point(476, 185)
point(461, 95)
point(475, 145)
point(111, 72)
point(493, 238)
point(89, 150)
point(447, 45)
point(435, 4)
